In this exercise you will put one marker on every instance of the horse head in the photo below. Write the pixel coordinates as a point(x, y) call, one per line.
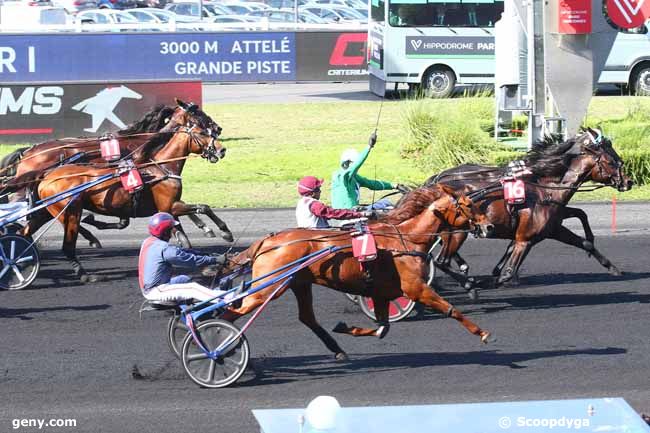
point(606, 165)
point(204, 130)
point(458, 210)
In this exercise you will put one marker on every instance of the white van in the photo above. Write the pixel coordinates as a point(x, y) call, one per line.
point(629, 61)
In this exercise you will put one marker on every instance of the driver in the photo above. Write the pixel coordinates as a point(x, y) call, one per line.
point(158, 258)
point(347, 182)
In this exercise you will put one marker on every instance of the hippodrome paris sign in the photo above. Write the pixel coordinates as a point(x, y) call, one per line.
point(628, 14)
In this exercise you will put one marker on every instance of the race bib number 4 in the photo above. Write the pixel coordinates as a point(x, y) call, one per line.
point(514, 191)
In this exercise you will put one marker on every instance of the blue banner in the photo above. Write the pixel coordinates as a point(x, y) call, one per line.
point(61, 58)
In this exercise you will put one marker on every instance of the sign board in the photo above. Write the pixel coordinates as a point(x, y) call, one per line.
point(574, 17)
point(35, 113)
point(330, 56)
point(628, 14)
point(431, 46)
point(65, 58)
point(554, 416)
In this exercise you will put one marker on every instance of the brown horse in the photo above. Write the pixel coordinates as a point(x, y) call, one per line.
point(559, 169)
point(162, 191)
point(398, 270)
point(38, 159)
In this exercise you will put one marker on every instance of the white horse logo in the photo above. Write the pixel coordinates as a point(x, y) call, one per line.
point(101, 106)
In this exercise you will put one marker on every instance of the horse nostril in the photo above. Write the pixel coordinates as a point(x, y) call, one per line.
point(489, 228)
point(222, 152)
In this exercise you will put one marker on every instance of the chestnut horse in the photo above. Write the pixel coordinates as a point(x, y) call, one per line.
point(162, 191)
point(398, 270)
point(559, 169)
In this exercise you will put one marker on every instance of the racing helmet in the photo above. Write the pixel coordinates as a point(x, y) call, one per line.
point(349, 155)
point(161, 223)
point(309, 184)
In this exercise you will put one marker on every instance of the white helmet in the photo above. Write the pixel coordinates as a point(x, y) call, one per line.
point(349, 155)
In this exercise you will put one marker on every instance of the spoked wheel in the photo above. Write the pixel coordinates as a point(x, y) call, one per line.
point(19, 262)
point(397, 308)
point(220, 372)
point(176, 332)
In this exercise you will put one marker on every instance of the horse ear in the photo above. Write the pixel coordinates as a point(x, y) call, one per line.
point(181, 104)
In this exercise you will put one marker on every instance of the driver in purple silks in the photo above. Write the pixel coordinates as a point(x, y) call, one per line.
point(158, 258)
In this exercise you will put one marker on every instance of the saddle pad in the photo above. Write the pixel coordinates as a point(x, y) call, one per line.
point(514, 191)
point(364, 247)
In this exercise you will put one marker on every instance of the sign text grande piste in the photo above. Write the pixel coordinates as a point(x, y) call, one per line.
point(237, 67)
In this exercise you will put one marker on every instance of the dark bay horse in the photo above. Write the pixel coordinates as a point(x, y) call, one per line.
point(398, 270)
point(558, 171)
point(161, 193)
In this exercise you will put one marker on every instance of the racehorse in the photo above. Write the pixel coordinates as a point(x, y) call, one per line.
point(398, 269)
point(559, 169)
point(161, 193)
point(30, 163)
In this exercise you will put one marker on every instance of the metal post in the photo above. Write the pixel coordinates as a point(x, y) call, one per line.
point(536, 83)
point(295, 11)
point(200, 10)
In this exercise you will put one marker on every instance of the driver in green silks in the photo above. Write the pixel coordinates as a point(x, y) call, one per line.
point(346, 182)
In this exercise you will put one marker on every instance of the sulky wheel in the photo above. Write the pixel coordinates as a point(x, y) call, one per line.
point(220, 372)
point(397, 308)
point(176, 332)
point(434, 252)
point(19, 262)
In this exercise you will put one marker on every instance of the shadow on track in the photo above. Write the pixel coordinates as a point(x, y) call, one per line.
point(269, 371)
point(23, 313)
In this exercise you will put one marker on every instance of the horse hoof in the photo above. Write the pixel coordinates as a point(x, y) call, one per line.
point(88, 219)
point(341, 357)
point(473, 295)
point(464, 269)
point(341, 328)
point(209, 233)
point(382, 331)
point(615, 271)
point(469, 284)
point(227, 236)
point(88, 278)
point(486, 337)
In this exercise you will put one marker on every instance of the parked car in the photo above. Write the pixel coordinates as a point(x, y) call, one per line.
point(153, 15)
point(106, 16)
point(191, 9)
point(27, 2)
point(240, 8)
point(338, 14)
point(235, 19)
point(287, 16)
point(354, 4)
point(74, 6)
point(117, 4)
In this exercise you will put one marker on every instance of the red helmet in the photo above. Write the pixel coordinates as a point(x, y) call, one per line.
point(309, 184)
point(161, 223)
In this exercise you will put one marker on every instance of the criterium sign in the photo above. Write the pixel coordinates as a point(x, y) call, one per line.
point(628, 14)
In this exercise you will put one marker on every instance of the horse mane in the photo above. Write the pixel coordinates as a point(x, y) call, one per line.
point(153, 121)
point(550, 156)
point(413, 203)
point(153, 145)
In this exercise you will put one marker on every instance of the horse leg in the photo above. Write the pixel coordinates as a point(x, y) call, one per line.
point(307, 317)
point(502, 261)
point(180, 208)
point(207, 231)
point(92, 240)
point(428, 297)
point(381, 313)
point(566, 236)
point(574, 212)
point(101, 225)
point(511, 269)
point(71, 219)
point(462, 264)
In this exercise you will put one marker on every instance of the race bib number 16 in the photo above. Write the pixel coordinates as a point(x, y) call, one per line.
point(514, 191)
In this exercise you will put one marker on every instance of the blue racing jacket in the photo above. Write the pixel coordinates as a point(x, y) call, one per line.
point(157, 259)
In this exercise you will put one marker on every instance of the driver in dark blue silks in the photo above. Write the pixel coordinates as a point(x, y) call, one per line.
point(158, 259)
